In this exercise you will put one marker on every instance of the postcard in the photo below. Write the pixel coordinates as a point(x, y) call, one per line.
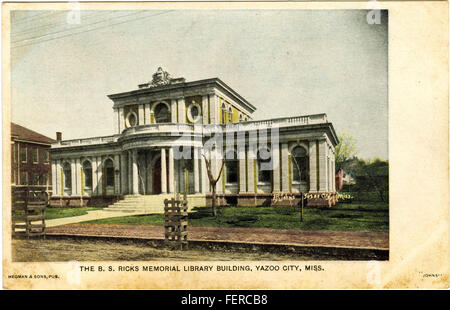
point(271, 145)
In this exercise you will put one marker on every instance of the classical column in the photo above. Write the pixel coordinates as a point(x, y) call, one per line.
point(242, 170)
point(251, 156)
point(142, 172)
point(284, 167)
point(94, 177)
point(163, 171)
point(73, 174)
point(54, 184)
point(205, 110)
point(205, 180)
point(123, 173)
point(313, 147)
point(130, 173)
point(333, 179)
point(147, 113)
point(196, 174)
point(135, 173)
point(141, 115)
point(323, 171)
point(116, 121)
point(149, 173)
point(78, 176)
point(181, 110)
point(329, 172)
point(121, 120)
point(213, 109)
point(173, 111)
point(217, 164)
point(276, 167)
point(171, 171)
point(116, 175)
point(58, 178)
point(99, 176)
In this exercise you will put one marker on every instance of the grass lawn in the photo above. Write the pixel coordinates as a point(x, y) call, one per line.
point(368, 216)
point(56, 213)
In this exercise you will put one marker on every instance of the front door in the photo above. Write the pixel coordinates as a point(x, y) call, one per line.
point(156, 181)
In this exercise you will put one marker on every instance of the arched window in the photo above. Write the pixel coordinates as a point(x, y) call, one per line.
point(87, 171)
point(109, 172)
point(241, 117)
point(224, 113)
point(230, 115)
point(231, 167)
point(299, 164)
point(162, 113)
point(264, 166)
point(67, 178)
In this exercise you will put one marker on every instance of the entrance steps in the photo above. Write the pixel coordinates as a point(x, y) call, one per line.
point(147, 204)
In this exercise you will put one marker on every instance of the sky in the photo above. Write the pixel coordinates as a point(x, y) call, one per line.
point(284, 62)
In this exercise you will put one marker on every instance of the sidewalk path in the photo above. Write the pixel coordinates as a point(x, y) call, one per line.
point(357, 239)
point(91, 216)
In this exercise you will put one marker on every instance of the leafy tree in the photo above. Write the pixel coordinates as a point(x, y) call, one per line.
point(345, 150)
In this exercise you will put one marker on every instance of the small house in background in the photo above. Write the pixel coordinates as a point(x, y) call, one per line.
point(30, 158)
point(347, 178)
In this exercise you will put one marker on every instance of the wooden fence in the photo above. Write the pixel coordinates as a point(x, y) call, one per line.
point(28, 212)
point(176, 222)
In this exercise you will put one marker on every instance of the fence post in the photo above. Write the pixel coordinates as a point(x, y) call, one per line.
point(175, 222)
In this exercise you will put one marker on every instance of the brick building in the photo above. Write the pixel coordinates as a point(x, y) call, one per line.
point(30, 158)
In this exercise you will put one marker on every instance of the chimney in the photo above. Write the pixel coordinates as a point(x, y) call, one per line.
point(58, 136)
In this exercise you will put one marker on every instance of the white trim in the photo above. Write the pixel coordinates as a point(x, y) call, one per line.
point(189, 112)
point(127, 121)
point(301, 144)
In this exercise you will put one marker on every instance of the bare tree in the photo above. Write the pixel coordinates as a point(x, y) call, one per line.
point(213, 182)
point(140, 177)
point(299, 188)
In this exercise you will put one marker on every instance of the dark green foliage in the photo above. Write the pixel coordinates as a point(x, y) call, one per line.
point(373, 176)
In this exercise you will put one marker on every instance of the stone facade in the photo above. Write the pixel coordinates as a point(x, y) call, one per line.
point(162, 131)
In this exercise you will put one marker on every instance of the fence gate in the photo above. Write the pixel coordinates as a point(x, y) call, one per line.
point(28, 212)
point(175, 222)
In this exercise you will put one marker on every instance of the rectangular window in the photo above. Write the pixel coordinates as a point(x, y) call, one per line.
point(44, 179)
point(35, 155)
point(110, 176)
point(35, 180)
point(23, 154)
point(46, 156)
point(231, 171)
point(23, 178)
